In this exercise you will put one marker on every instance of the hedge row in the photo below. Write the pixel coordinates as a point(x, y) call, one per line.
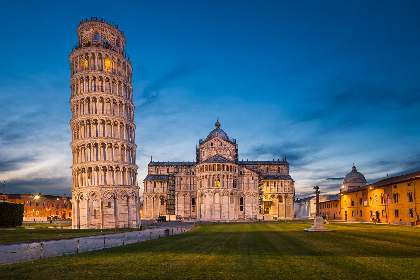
point(11, 214)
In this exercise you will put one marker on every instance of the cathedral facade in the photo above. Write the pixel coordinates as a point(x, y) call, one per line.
point(219, 187)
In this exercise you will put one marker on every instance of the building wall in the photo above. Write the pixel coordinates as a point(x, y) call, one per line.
point(330, 209)
point(38, 205)
point(394, 203)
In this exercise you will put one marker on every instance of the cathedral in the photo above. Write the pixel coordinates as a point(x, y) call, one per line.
point(219, 187)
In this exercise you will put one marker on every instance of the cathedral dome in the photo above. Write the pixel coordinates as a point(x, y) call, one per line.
point(354, 177)
point(217, 132)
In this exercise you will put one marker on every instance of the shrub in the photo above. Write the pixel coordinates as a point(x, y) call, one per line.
point(11, 214)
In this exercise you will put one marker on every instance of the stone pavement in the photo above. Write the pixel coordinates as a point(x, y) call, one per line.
point(22, 252)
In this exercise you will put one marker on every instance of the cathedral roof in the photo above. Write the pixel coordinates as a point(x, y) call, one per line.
point(156, 178)
point(277, 177)
point(354, 177)
point(254, 162)
point(217, 159)
point(187, 163)
point(217, 132)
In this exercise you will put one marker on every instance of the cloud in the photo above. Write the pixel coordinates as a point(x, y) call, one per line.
point(152, 90)
point(51, 186)
point(301, 153)
point(15, 163)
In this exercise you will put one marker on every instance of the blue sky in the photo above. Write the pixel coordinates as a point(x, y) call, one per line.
point(326, 83)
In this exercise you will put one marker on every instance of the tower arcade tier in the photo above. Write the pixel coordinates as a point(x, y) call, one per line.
point(105, 190)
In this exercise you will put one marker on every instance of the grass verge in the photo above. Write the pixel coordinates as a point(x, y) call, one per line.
point(20, 234)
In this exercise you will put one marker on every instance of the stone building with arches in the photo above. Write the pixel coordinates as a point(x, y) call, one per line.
point(105, 191)
point(219, 187)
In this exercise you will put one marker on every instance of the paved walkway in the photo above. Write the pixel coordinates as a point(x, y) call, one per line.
point(34, 250)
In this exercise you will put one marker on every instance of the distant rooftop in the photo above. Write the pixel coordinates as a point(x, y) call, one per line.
point(254, 162)
point(277, 177)
point(218, 159)
point(188, 163)
point(156, 178)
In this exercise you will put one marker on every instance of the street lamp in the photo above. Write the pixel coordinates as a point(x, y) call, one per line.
point(4, 183)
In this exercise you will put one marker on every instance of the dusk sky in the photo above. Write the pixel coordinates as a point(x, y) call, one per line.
point(325, 83)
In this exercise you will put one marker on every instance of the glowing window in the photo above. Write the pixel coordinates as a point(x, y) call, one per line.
point(86, 64)
point(217, 183)
point(107, 65)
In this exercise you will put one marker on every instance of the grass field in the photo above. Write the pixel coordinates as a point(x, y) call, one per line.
point(246, 251)
point(39, 233)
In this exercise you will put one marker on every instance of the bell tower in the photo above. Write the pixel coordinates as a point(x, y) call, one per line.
point(105, 190)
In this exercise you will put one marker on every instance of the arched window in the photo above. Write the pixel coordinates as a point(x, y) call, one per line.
point(107, 65)
point(97, 36)
point(241, 204)
point(192, 204)
point(109, 204)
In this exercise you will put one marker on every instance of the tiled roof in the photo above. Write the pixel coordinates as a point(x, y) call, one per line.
point(277, 177)
point(218, 159)
point(188, 163)
point(254, 162)
point(397, 179)
point(156, 178)
point(354, 189)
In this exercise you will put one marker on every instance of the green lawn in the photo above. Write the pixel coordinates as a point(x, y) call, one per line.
point(45, 225)
point(39, 233)
point(246, 251)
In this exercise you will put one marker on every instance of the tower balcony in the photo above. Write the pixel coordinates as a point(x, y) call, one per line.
point(104, 45)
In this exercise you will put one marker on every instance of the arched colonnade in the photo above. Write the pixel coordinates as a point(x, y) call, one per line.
point(83, 83)
point(94, 151)
point(104, 175)
point(102, 127)
point(100, 60)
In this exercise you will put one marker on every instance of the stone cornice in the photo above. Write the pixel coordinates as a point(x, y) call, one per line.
point(94, 49)
point(101, 164)
point(101, 116)
point(105, 140)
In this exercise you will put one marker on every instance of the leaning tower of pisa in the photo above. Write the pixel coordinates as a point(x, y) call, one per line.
point(105, 193)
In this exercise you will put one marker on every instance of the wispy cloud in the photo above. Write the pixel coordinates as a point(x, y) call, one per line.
point(152, 90)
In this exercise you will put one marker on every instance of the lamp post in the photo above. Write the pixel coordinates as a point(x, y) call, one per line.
point(4, 183)
point(36, 197)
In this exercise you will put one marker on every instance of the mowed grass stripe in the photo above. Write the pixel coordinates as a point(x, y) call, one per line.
point(245, 251)
point(352, 255)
